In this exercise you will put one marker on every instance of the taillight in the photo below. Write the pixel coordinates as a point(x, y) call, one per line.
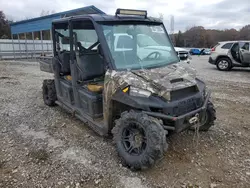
point(213, 49)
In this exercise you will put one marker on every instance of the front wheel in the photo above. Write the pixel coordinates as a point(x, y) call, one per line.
point(140, 140)
point(208, 120)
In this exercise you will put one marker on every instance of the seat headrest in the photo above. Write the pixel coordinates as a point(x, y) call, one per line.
point(99, 49)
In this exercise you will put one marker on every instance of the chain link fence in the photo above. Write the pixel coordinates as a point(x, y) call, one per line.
point(25, 49)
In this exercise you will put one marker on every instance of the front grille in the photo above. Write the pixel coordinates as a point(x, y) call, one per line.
point(181, 93)
point(185, 106)
point(183, 58)
point(183, 55)
point(180, 107)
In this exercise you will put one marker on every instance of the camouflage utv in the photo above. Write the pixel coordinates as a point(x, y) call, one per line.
point(139, 96)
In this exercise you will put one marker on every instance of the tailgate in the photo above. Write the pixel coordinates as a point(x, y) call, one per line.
point(46, 64)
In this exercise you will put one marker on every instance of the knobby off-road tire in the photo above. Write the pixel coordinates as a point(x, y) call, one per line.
point(152, 145)
point(209, 118)
point(49, 92)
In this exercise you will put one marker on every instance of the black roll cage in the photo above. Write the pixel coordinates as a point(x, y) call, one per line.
point(109, 62)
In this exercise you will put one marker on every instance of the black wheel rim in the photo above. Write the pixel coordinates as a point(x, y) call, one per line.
point(205, 118)
point(134, 139)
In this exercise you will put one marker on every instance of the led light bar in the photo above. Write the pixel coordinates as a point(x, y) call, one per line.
point(131, 12)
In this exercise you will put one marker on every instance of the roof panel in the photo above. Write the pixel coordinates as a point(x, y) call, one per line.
point(44, 22)
point(36, 25)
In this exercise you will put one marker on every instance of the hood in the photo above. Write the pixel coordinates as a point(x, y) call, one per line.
point(180, 49)
point(158, 80)
point(177, 49)
point(163, 48)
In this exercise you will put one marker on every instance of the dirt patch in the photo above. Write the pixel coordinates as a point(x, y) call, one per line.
point(46, 147)
point(2, 164)
point(4, 78)
point(40, 155)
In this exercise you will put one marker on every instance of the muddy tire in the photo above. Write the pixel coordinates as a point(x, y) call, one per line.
point(224, 64)
point(49, 92)
point(209, 119)
point(140, 140)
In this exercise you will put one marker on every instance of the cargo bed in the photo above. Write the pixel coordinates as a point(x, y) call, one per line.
point(46, 64)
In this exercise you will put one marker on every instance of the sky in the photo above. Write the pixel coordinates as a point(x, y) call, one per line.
point(211, 14)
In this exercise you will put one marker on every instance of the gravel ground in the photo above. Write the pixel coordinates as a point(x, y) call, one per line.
point(46, 147)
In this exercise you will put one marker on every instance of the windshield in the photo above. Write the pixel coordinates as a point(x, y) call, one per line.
point(145, 40)
point(139, 46)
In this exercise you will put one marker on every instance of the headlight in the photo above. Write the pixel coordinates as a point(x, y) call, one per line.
point(205, 92)
point(139, 92)
point(167, 96)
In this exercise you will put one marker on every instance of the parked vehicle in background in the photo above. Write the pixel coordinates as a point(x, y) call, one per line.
point(228, 54)
point(145, 44)
point(183, 54)
point(206, 52)
point(194, 51)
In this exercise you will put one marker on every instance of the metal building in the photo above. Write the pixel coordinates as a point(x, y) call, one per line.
point(31, 38)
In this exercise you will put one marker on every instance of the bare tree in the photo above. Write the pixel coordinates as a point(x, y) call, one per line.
point(42, 13)
point(47, 12)
point(244, 32)
point(4, 26)
point(179, 39)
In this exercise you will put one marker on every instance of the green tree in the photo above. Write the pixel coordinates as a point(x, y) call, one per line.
point(179, 40)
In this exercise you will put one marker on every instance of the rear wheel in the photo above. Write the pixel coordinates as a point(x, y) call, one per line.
point(140, 140)
point(49, 92)
point(224, 64)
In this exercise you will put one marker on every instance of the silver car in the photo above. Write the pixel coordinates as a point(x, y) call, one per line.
point(228, 54)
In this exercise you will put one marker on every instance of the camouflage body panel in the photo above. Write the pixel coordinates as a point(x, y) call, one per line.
point(158, 81)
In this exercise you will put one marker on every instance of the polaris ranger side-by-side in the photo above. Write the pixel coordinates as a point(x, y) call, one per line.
point(139, 98)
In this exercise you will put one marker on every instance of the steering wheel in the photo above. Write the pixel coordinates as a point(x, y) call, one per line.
point(153, 55)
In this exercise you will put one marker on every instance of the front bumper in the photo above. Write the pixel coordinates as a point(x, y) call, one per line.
point(211, 61)
point(181, 122)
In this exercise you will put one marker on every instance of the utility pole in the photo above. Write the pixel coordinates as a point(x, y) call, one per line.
point(172, 28)
point(161, 16)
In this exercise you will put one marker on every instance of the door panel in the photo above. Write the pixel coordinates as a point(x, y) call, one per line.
point(90, 102)
point(61, 63)
point(234, 52)
point(87, 68)
point(244, 52)
point(66, 91)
